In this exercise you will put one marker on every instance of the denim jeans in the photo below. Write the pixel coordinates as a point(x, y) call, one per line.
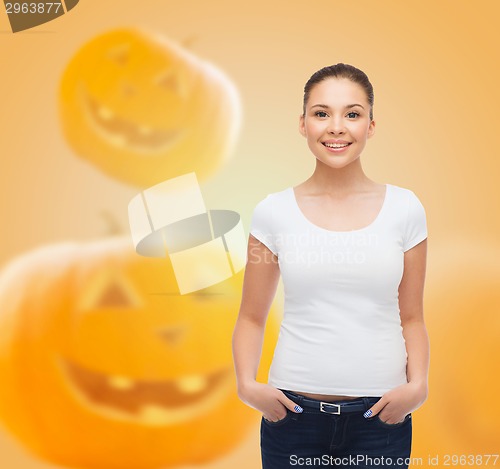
point(343, 440)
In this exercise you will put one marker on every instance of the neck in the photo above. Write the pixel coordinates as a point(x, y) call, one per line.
point(338, 181)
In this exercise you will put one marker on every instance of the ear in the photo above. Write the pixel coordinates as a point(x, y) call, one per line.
point(371, 129)
point(302, 128)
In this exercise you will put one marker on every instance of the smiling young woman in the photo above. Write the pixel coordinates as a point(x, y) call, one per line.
point(352, 357)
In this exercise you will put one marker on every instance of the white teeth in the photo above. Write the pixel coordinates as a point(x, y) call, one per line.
point(192, 384)
point(120, 382)
point(154, 414)
point(336, 145)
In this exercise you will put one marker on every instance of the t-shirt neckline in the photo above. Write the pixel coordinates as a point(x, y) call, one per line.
point(310, 223)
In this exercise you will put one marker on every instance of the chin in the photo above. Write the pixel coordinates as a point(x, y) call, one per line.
point(336, 162)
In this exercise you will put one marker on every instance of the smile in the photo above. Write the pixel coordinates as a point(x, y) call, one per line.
point(150, 402)
point(336, 147)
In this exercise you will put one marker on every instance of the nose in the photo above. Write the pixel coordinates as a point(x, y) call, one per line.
point(336, 126)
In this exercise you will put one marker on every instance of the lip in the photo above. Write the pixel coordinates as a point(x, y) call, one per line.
point(335, 141)
point(336, 150)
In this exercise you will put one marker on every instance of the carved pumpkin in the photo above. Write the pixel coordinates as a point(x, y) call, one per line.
point(104, 365)
point(143, 109)
point(462, 315)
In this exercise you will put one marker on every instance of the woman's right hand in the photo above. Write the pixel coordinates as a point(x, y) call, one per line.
point(272, 402)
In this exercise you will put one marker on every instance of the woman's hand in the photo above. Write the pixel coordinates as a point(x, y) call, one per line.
point(267, 399)
point(395, 404)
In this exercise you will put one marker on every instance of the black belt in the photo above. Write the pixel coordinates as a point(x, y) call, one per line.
point(360, 404)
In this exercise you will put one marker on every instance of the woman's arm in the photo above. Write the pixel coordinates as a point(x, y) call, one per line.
point(395, 404)
point(259, 287)
point(411, 305)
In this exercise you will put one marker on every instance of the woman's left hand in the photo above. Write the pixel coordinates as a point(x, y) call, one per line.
point(395, 404)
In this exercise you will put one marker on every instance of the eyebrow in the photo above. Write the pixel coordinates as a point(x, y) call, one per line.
point(348, 106)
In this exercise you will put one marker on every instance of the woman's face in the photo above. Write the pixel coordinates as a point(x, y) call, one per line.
point(331, 117)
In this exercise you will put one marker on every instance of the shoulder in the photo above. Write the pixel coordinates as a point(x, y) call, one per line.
point(413, 217)
point(405, 194)
point(402, 191)
point(273, 199)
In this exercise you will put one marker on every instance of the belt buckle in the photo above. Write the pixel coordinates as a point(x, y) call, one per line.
point(329, 403)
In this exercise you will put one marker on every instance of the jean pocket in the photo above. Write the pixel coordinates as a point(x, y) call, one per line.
point(285, 419)
point(393, 425)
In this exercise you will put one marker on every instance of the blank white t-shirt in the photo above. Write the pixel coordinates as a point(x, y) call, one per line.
point(341, 330)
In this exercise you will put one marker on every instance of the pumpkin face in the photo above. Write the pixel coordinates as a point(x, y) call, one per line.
point(143, 109)
point(462, 316)
point(103, 364)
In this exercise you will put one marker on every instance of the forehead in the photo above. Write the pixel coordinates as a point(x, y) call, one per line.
point(337, 92)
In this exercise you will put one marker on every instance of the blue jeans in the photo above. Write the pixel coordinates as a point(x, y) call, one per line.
point(344, 440)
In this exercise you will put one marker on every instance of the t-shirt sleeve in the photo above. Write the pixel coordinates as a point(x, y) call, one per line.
point(416, 223)
point(261, 224)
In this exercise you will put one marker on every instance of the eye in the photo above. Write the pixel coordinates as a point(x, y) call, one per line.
point(319, 112)
point(352, 112)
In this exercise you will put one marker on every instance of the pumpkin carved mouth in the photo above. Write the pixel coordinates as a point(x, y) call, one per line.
point(123, 133)
point(153, 402)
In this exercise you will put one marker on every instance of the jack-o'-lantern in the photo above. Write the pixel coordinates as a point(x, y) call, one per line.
point(104, 365)
point(462, 311)
point(144, 109)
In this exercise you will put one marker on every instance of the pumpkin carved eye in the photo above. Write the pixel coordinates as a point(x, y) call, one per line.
point(170, 82)
point(120, 54)
point(109, 290)
point(114, 296)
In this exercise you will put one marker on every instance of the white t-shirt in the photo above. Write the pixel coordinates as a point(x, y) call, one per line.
point(341, 330)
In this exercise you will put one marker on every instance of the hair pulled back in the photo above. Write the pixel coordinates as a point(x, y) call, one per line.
point(340, 70)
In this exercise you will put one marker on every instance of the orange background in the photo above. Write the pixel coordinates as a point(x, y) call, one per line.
point(434, 68)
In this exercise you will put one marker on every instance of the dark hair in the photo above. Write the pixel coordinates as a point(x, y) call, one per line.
point(340, 70)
